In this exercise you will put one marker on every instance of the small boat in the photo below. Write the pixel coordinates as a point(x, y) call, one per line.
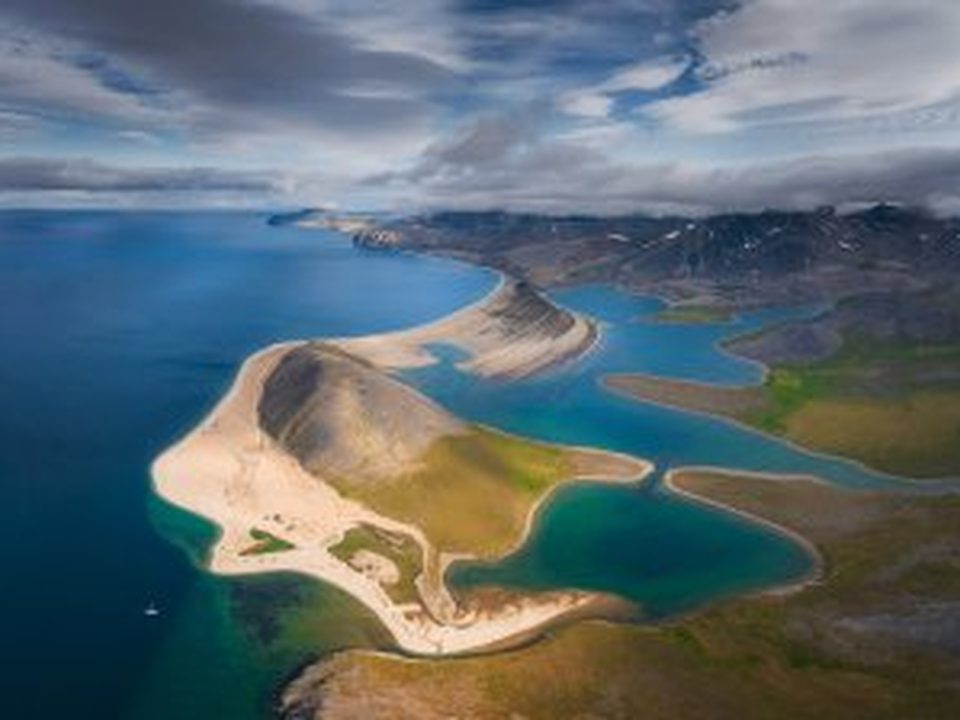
point(151, 610)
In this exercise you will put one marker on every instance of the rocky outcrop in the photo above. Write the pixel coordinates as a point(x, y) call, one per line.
point(336, 414)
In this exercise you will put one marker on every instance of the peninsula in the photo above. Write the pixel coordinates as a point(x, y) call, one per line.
point(319, 462)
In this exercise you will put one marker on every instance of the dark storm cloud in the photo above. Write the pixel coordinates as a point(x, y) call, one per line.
point(246, 59)
point(88, 176)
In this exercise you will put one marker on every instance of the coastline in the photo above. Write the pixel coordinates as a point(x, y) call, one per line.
point(417, 630)
point(817, 572)
point(645, 470)
point(231, 472)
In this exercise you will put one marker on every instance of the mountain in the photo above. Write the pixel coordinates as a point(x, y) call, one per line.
point(734, 260)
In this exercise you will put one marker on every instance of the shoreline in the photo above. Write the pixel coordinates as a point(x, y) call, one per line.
point(420, 634)
point(241, 481)
point(646, 469)
point(817, 572)
point(311, 556)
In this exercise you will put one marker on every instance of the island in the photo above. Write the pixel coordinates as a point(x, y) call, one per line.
point(320, 461)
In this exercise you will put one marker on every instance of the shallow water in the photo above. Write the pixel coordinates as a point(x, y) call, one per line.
point(569, 405)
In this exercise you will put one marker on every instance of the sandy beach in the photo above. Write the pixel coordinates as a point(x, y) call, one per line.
point(232, 472)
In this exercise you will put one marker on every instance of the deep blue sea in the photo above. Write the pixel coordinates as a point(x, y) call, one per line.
point(118, 331)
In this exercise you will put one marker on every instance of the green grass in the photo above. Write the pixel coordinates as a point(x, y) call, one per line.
point(266, 543)
point(872, 402)
point(916, 435)
point(401, 550)
point(785, 392)
point(474, 492)
point(694, 314)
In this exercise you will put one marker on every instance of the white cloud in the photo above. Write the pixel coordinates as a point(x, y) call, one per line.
point(427, 28)
point(648, 75)
point(775, 62)
point(586, 103)
point(597, 101)
point(505, 162)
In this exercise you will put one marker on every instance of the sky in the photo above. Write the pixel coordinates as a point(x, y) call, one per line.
point(557, 106)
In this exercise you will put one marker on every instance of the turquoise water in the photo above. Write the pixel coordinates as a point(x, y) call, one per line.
point(118, 331)
point(659, 550)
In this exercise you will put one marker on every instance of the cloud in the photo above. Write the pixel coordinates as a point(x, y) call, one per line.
point(554, 46)
point(426, 28)
point(504, 163)
point(593, 105)
point(649, 75)
point(777, 62)
point(89, 176)
point(482, 146)
point(43, 81)
point(243, 65)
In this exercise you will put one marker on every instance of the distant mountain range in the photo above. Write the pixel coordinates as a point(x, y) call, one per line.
point(750, 249)
point(888, 272)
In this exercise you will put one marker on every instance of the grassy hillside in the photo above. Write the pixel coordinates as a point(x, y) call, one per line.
point(402, 551)
point(380, 442)
point(472, 493)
